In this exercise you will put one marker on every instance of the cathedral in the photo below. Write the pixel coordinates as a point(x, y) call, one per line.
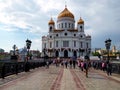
point(64, 39)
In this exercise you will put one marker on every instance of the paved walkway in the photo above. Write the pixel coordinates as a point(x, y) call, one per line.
point(59, 78)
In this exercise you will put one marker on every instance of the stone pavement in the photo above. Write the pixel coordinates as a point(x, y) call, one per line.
point(59, 78)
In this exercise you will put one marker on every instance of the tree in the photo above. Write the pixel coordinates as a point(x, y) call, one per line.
point(95, 53)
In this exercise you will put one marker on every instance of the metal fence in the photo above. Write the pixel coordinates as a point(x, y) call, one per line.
point(12, 67)
point(115, 65)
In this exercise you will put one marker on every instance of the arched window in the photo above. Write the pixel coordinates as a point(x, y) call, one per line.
point(72, 25)
point(65, 53)
point(65, 25)
point(81, 28)
point(56, 35)
point(62, 25)
point(50, 28)
point(74, 43)
point(50, 36)
point(74, 35)
point(69, 25)
point(87, 45)
point(57, 54)
point(75, 54)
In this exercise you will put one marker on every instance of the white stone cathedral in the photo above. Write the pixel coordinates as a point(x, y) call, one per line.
point(66, 40)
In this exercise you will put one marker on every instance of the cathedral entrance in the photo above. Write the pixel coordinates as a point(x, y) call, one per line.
point(65, 53)
point(57, 54)
point(75, 53)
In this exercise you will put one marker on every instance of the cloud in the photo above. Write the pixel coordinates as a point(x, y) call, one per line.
point(37, 44)
point(31, 16)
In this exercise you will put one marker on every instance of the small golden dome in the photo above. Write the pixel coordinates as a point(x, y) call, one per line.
point(51, 22)
point(80, 21)
point(66, 13)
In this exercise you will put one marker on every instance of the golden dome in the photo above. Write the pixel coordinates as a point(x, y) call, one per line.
point(51, 22)
point(66, 13)
point(80, 21)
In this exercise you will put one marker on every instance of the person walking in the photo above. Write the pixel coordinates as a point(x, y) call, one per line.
point(86, 67)
point(47, 64)
point(82, 65)
point(70, 63)
point(66, 63)
point(74, 61)
point(109, 69)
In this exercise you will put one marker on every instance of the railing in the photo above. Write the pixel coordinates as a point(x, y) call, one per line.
point(11, 67)
point(115, 65)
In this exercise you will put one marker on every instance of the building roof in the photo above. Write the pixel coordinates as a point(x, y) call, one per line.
point(65, 13)
point(80, 21)
point(51, 22)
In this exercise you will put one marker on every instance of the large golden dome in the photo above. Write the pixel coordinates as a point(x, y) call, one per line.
point(51, 22)
point(66, 13)
point(80, 21)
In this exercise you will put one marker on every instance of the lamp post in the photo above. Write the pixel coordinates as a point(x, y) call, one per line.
point(108, 44)
point(28, 44)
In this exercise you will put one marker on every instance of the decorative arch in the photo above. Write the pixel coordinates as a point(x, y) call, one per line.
point(75, 53)
point(57, 53)
point(65, 53)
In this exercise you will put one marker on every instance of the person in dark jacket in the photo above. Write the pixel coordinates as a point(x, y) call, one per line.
point(74, 61)
point(109, 69)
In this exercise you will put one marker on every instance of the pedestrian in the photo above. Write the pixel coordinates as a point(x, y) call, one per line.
point(103, 66)
point(82, 65)
point(74, 61)
point(70, 62)
point(86, 66)
point(109, 69)
point(79, 63)
point(47, 64)
point(66, 63)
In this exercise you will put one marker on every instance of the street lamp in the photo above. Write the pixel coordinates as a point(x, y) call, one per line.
point(108, 44)
point(28, 44)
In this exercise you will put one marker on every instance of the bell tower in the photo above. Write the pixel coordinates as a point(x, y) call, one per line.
point(51, 25)
point(80, 26)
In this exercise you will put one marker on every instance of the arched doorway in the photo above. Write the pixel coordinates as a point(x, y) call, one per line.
point(65, 53)
point(75, 53)
point(57, 54)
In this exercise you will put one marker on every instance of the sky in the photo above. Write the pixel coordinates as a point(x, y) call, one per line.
point(28, 19)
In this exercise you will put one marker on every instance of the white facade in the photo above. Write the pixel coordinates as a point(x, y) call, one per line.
point(66, 40)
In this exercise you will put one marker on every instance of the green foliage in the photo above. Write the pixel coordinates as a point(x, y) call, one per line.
point(96, 54)
point(117, 52)
point(2, 56)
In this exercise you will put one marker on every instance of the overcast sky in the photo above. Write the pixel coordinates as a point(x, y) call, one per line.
point(22, 19)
